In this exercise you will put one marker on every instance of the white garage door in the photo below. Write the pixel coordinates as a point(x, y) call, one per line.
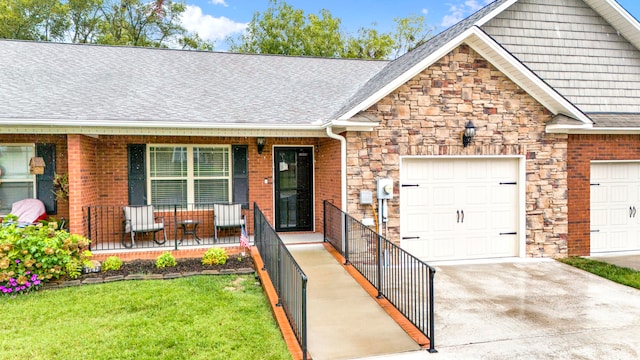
point(615, 201)
point(459, 208)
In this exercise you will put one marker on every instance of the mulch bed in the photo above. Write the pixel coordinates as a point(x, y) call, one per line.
point(146, 269)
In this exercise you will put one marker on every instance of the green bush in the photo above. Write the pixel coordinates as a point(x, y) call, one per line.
point(35, 254)
point(165, 260)
point(112, 263)
point(215, 256)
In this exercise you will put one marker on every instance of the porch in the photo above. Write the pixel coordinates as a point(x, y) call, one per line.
point(165, 227)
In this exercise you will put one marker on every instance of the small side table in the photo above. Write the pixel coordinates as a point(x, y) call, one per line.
point(189, 227)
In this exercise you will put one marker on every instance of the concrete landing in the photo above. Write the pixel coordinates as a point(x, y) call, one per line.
point(343, 321)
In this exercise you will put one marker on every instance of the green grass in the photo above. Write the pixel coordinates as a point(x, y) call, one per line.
point(615, 273)
point(201, 317)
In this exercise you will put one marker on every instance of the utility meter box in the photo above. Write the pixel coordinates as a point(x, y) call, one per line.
point(366, 197)
point(385, 188)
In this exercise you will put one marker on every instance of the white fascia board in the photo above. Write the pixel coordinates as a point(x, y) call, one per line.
point(347, 125)
point(142, 124)
point(592, 130)
point(164, 131)
point(567, 129)
point(406, 76)
point(552, 100)
point(495, 13)
point(619, 18)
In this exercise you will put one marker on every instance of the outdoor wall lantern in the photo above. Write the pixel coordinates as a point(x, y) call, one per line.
point(260, 142)
point(468, 134)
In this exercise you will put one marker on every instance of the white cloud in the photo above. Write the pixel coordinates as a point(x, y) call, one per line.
point(209, 27)
point(460, 10)
point(425, 11)
point(219, 2)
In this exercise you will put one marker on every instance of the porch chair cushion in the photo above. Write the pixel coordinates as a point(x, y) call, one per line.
point(142, 219)
point(227, 216)
point(29, 211)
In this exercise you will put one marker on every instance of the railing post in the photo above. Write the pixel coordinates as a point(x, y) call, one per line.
point(379, 262)
point(175, 225)
point(304, 318)
point(345, 238)
point(432, 344)
point(324, 223)
point(279, 276)
point(89, 226)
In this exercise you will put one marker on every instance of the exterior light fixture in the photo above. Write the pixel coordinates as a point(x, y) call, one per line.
point(468, 134)
point(260, 142)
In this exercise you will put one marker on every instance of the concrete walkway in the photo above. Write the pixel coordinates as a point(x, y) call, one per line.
point(344, 322)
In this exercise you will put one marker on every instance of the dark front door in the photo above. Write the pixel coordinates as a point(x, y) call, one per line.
point(293, 178)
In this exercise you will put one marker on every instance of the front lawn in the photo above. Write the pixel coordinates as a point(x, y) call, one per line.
point(615, 273)
point(199, 317)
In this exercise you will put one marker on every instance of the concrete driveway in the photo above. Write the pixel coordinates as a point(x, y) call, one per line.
point(531, 310)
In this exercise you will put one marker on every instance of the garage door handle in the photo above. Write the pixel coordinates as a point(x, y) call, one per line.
point(634, 211)
point(509, 233)
point(462, 213)
point(458, 216)
point(410, 237)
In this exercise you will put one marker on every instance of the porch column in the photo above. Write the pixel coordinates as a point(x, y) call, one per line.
point(82, 179)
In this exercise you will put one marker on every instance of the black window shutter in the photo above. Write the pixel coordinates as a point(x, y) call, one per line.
point(44, 182)
point(240, 175)
point(137, 174)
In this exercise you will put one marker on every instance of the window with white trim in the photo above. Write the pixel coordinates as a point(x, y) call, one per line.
point(189, 174)
point(16, 183)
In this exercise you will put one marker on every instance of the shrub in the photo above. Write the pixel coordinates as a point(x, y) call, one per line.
point(112, 263)
point(35, 254)
point(165, 260)
point(215, 256)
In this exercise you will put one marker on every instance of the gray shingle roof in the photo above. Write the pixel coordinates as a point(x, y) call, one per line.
point(91, 85)
point(616, 120)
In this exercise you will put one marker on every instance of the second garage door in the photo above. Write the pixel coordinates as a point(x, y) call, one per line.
point(453, 209)
point(615, 205)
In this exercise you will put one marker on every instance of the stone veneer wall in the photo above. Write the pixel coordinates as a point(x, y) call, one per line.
point(427, 115)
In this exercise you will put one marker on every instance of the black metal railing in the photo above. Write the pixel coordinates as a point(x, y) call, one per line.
point(404, 280)
point(287, 277)
point(114, 227)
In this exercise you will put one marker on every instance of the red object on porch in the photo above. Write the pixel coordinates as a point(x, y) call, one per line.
point(29, 210)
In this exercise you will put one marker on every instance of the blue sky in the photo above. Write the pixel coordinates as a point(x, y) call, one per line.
point(216, 19)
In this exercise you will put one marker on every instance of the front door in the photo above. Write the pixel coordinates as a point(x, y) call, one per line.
point(293, 177)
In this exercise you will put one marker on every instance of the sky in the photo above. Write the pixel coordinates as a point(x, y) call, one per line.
point(214, 20)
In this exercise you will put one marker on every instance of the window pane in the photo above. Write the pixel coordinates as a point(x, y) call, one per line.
point(11, 192)
point(168, 161)
point(14, 162)
point(211, 191)
point(169, 192)
point(211, 161)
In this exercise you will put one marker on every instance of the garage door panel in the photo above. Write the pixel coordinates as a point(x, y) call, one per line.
point(416, 197)
point(453, 186)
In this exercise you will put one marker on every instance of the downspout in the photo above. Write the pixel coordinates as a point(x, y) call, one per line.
point(343, 165)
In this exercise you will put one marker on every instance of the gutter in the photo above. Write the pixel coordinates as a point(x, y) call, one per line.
point(343, 165)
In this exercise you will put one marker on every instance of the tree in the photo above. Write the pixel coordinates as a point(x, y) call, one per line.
point(287, 31)
point(284, 30)
point(43, 20)
point(114, 22)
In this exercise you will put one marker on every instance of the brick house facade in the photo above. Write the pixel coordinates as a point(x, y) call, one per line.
point(551, 106)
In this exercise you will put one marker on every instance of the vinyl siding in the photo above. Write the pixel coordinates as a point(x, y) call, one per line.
point(573, 49)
